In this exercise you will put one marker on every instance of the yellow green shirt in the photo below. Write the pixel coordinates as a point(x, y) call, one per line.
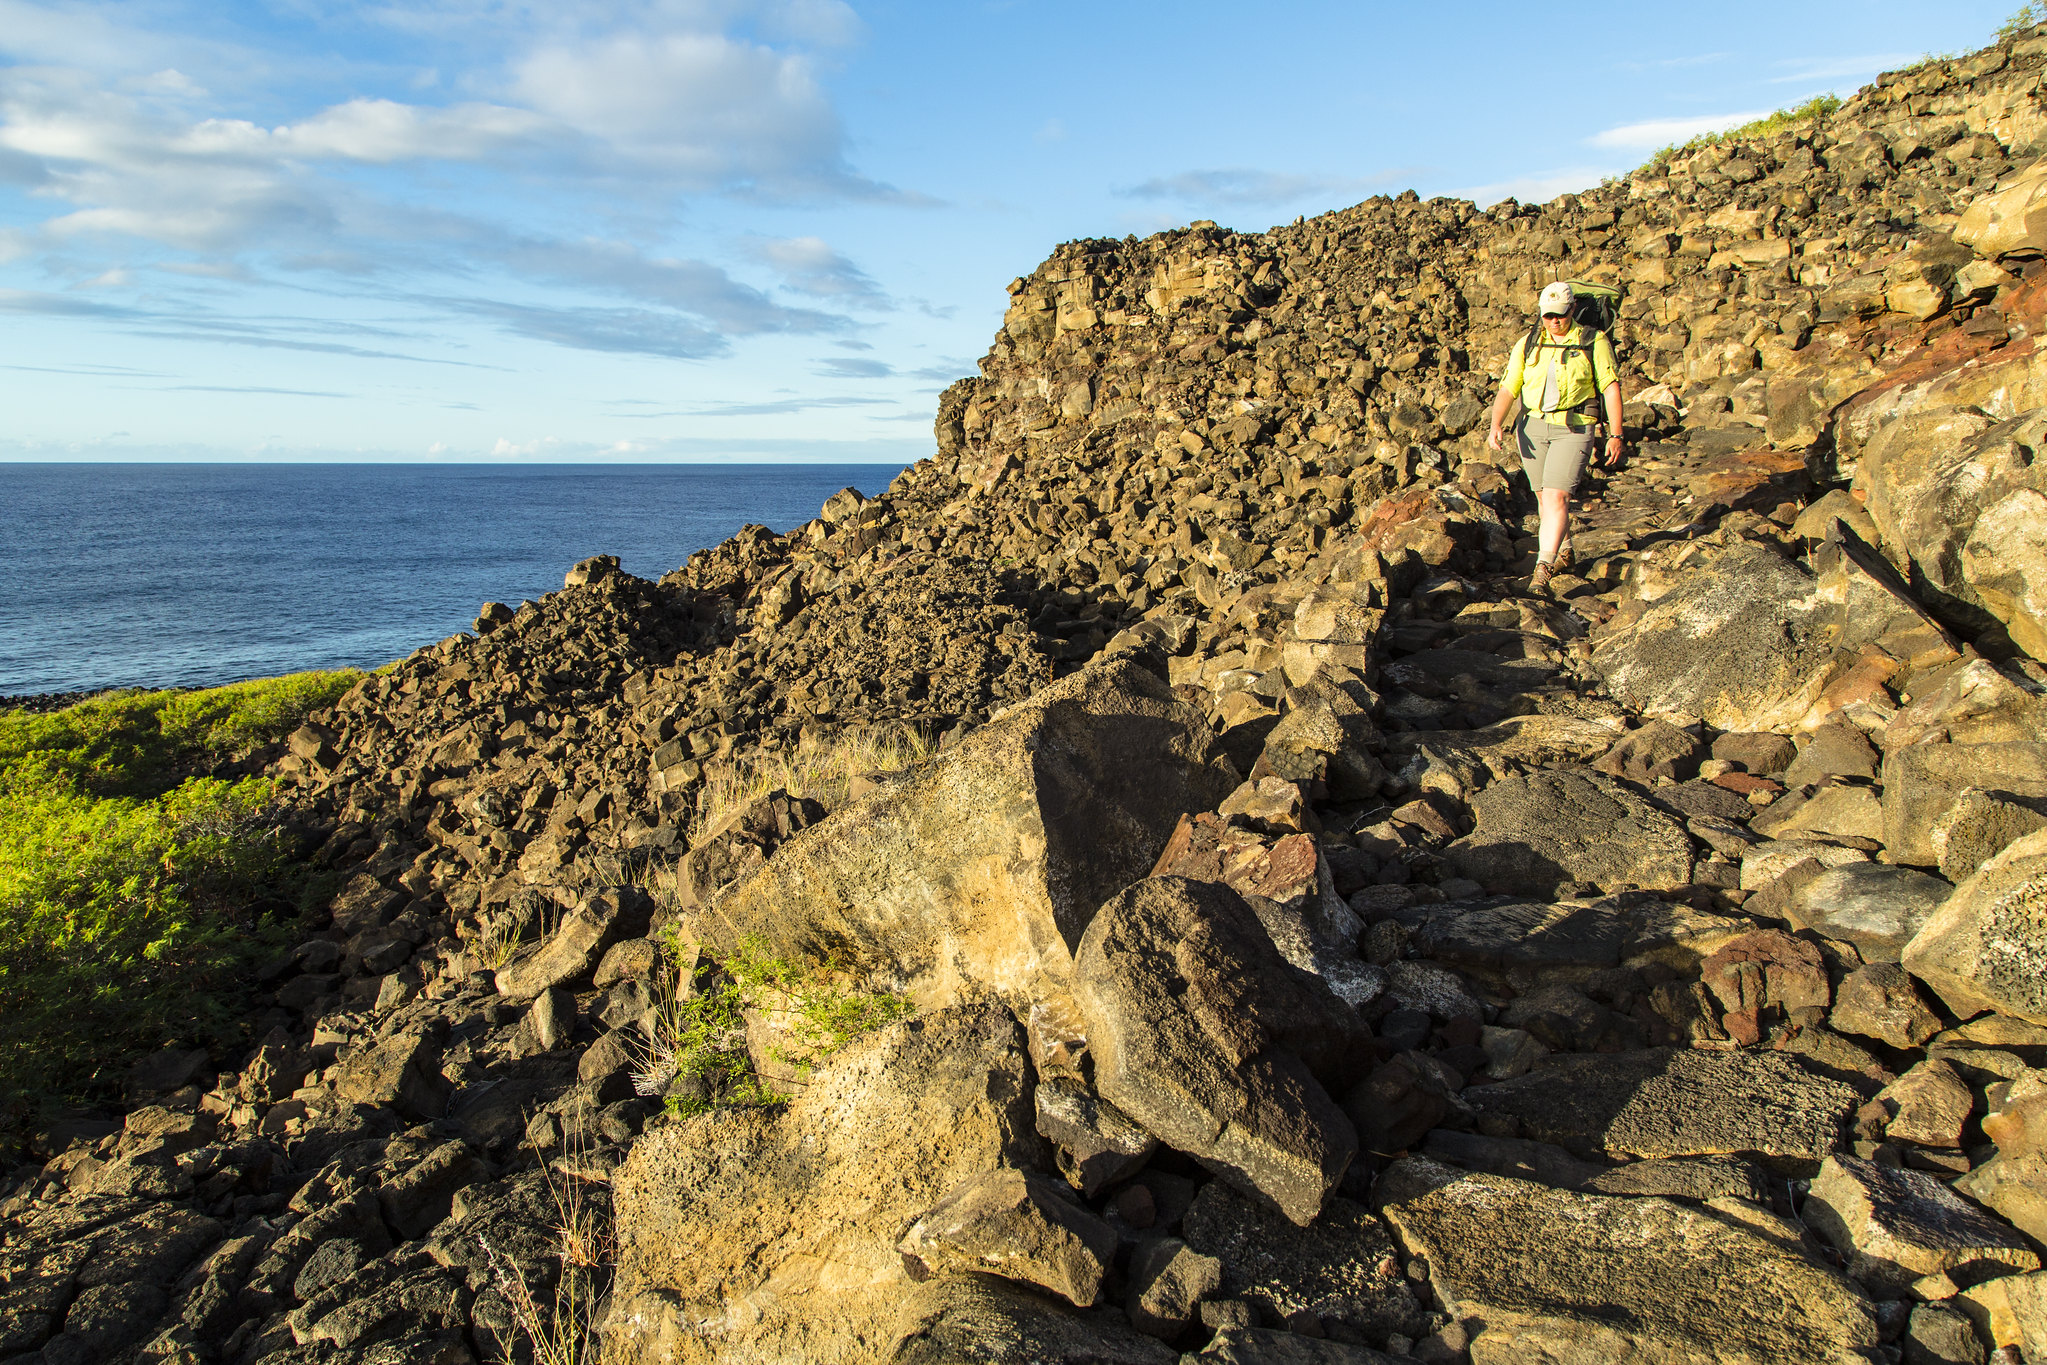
point(1579, 377)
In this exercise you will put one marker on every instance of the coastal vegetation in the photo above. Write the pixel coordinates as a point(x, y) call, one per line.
point(139, 873)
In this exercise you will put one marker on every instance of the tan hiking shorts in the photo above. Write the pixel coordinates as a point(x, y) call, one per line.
point(1553, 456)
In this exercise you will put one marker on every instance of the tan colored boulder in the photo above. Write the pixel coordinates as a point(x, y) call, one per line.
point(1879, 1001)
point(1019, 1225)
point(2005, 561)
point(1896, 1226)
point(574, 949)
point(772, 1234)
point(1567, 1278)
point(1875, 906)
point(2010, 1311)
point(1981, 825)
point(1985, 947)
point(1743, 644)
point(1932, 473)
point(1537, 832)
point(2018, 1124)
point(2013, 1187)
point(982, 869)
point(1207, 1037)
point(2012, 217)
point(1837, 811)
point(1922, 782)
point(1976, 703)
point(1927, 1106)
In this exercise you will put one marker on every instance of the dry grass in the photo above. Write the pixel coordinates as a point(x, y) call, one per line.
point(822, 771)
point(562, 1331)
point(495, 941)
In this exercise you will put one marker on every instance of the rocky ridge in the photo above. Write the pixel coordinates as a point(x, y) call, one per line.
point(1321, 949)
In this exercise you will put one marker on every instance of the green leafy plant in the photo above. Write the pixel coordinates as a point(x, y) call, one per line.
point(2023, 20)
point(136, 886)
point(701, 1035)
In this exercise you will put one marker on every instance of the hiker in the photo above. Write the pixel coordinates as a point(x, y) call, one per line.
point(1561, 388)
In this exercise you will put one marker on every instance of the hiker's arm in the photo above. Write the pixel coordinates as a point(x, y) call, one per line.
point(1510, 389)
point(1614, 444)
point(1500, 406)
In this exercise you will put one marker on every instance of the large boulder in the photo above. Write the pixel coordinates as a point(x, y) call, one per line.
point(1019, 1225)
point(1922, 782)
point(573, 950)
point(1538, 832)
point(1985, 948)
point(1896, 1226)
point(1563, 1278)
point(1206, 1036)
point(1664, 1102)
point(776, 1232)
point(1746, 640)
point(1875, 906)
point(1742, 646)
point(982, 869)
point(1956, 497)
point(2012, 217)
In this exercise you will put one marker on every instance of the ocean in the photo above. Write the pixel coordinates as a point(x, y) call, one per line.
point(169, 575)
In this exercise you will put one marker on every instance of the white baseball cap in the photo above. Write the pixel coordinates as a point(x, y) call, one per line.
point(1556, 298)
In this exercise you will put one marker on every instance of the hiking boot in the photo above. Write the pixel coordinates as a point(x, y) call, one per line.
point(1563, 555)
point(1538, 582)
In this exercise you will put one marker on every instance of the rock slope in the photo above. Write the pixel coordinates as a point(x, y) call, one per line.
point(1315, 947)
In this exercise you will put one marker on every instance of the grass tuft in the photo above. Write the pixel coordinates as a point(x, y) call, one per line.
point(821, 770)
point(562, 1328)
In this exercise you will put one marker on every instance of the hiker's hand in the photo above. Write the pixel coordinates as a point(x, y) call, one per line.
point(1615, 447)
point(1492, 439)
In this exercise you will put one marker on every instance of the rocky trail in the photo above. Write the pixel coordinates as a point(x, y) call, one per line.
point(1294, 942)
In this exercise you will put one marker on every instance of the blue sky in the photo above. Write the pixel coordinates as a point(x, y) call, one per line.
point(694, 230)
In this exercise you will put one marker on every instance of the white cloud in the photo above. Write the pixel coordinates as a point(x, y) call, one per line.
point(809, 265)
point(1249, 187)
point(1662, 132)
point(711, 111)
point(379, 130)
point(1835, 68)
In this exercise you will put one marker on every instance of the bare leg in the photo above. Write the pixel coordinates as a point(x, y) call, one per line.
point(1554, 504)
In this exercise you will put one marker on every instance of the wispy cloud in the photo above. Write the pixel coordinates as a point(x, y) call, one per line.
point(778, 407)
point(842, 367)
point(141, 156)
point(1661, 132)
point(810, 266)
point(236, 388)
point(1248, 188)
point(1802, 69)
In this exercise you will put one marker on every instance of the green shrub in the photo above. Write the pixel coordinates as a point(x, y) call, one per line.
point(1811, 111)
point(702, 1035)
point(131, 878)
point(2023, 20)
